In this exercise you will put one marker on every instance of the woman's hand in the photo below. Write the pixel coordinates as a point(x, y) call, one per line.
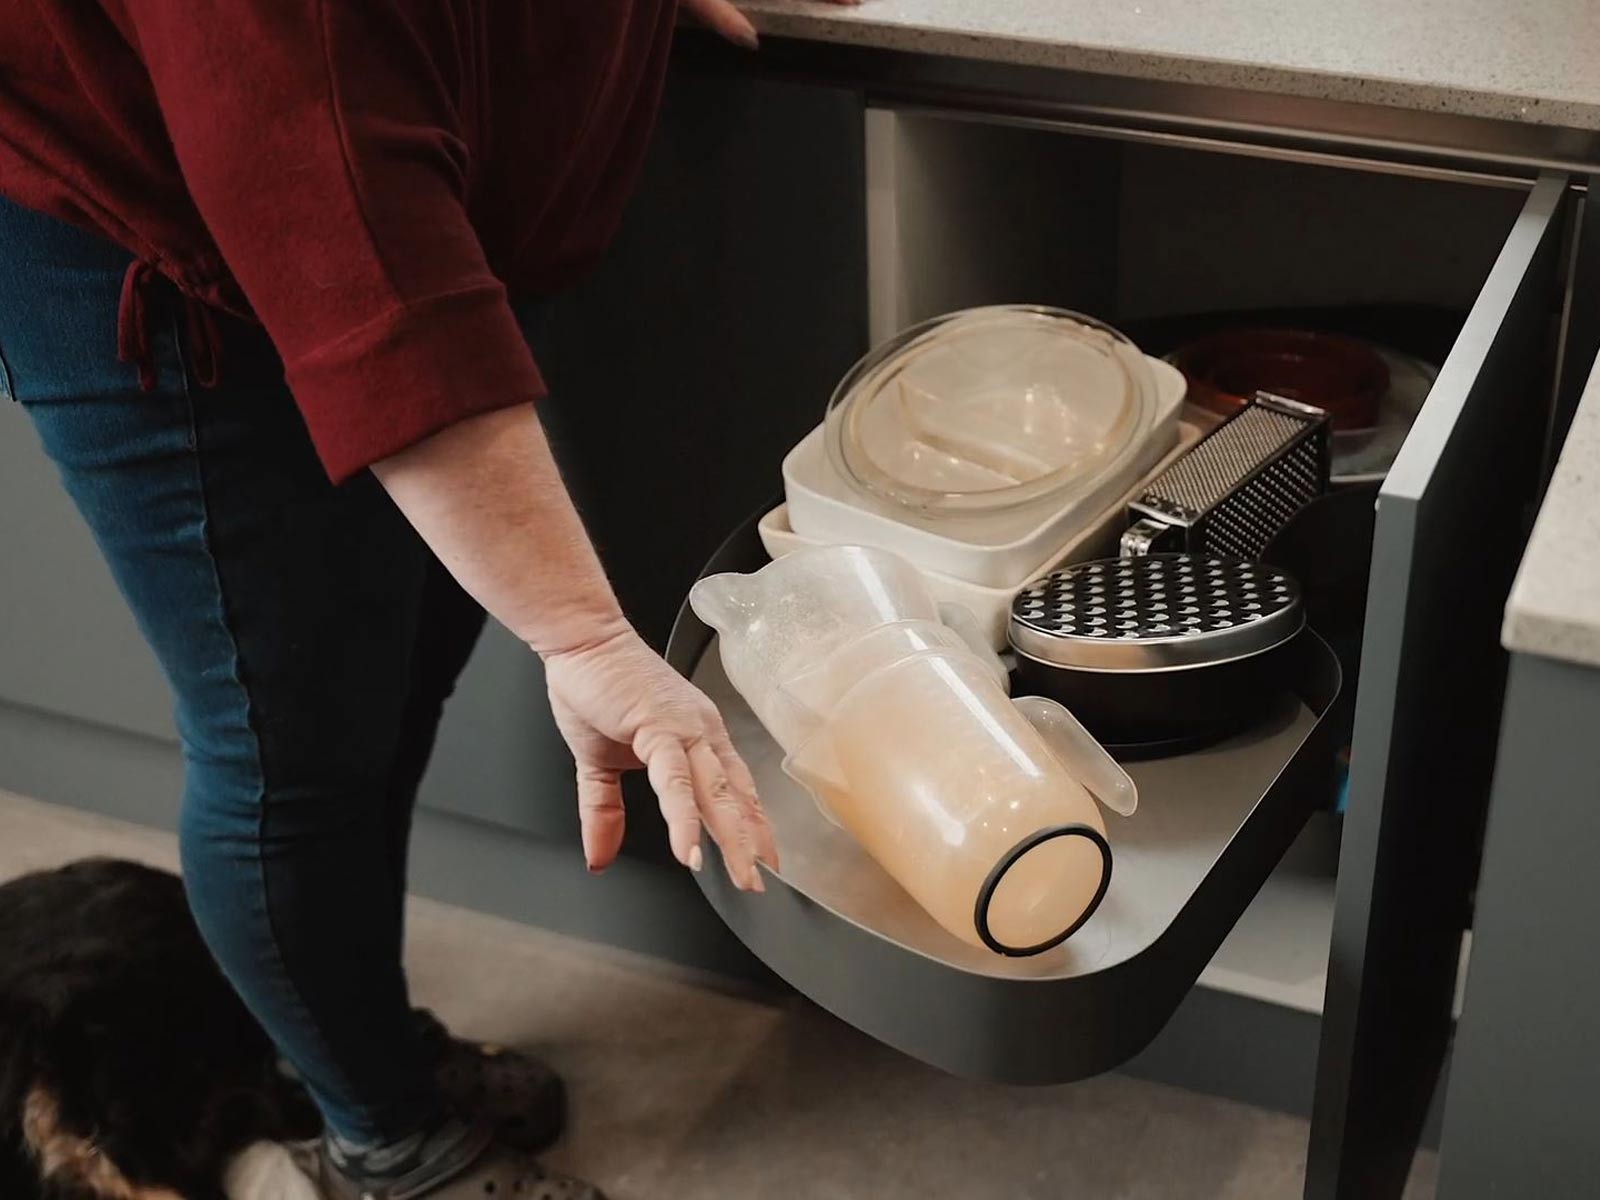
point(724, 18)
point(620, 707)
point(486, 496)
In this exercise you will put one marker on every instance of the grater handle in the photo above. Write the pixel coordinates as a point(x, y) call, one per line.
point(1145, 536)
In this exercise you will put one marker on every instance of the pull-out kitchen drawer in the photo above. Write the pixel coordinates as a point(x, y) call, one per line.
point(1212, 825)
point(1210, 828)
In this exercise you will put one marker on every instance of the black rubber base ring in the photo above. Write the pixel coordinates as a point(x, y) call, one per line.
point(980, 914)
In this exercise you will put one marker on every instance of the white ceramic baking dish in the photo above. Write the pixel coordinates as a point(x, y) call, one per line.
point(990, 604)
point(997, 552)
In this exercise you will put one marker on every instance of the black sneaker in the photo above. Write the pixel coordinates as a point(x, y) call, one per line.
point(469, 1163)
point(518, 1094)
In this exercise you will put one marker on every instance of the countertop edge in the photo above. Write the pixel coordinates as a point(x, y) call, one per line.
point(1552, 636)
point(1554, 607)
point(1168, 67)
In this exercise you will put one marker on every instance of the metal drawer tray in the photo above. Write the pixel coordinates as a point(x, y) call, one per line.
point(1211, 827)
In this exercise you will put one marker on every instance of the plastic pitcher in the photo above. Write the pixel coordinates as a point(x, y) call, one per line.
point(790, 615)
point(805, 701)
point(982, 808)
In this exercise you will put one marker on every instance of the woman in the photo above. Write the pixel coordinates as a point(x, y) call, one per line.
point(254, 267)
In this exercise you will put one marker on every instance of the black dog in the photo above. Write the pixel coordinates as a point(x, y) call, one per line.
point(128, 1068)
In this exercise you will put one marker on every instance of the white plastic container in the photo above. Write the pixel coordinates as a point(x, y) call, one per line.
point(999, 550)
point(991, 605)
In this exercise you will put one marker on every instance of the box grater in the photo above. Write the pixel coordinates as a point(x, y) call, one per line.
point(1239, 486)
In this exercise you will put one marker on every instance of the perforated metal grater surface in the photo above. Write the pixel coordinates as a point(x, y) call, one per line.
point(1160, 610)
point(1238, 488)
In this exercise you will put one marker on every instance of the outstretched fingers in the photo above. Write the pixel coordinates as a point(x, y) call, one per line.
point(600, 816)
point(670, 778)
point(724, 813)
point(744, 788)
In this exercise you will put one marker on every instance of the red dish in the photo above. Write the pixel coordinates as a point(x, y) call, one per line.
point(1340, 375)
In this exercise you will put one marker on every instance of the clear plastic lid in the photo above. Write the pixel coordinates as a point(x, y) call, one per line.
point(990, 408)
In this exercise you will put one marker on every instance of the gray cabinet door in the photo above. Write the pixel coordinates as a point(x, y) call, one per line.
point(68, 645)
point(705, 346)
point(1452, 519)
point(1519, 1113)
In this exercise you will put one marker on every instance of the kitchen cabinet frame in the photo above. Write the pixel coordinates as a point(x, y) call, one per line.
point(1519, 1113)
point(1378, 1057)
point(1369, 136)
point(1429, 694)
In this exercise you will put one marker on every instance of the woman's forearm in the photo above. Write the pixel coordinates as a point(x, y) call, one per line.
point(487, 497)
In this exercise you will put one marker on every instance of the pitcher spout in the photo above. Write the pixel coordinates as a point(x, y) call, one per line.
point(726, 602)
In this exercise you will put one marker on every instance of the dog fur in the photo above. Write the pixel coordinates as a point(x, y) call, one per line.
point(129, 1070)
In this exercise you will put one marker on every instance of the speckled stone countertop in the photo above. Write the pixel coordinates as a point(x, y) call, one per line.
point(1554, 610)
point(1520, 60)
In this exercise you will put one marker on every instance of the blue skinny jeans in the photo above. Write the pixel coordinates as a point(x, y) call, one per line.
point(309, 636)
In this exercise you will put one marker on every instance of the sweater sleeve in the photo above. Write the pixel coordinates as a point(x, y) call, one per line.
point(322, 143)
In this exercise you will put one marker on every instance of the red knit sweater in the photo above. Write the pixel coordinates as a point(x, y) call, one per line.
point(364, 177)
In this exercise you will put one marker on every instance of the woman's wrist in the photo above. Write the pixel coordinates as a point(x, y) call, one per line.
point(583, 635)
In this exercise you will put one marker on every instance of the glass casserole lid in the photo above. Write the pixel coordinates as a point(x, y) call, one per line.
point(990, 409)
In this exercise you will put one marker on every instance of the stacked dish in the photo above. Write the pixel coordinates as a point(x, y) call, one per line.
point(980, 443)
point(1372, 393)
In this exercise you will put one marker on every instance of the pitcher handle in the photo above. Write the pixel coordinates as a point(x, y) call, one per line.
point(813, 766)
point(1078, 751)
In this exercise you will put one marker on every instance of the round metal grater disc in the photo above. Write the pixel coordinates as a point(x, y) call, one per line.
point(1155, 612)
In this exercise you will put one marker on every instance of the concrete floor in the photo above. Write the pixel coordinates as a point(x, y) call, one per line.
point(685, 1089)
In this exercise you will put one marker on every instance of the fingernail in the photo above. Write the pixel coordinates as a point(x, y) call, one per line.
point(749, 40)
point(696, 859)
point(756, 882)
point(594, 870)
